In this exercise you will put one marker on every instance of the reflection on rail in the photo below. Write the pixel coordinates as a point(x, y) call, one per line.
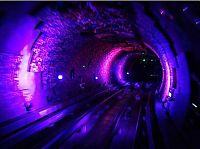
point(119, 118)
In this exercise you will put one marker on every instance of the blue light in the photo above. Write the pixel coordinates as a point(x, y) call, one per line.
point(60, 77)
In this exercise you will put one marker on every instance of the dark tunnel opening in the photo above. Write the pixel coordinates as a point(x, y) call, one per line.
point(142, 68)
point(136, 66)
point(99, 75)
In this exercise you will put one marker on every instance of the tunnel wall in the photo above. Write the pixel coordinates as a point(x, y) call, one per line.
point(153, 37)
point(63, 48)
point(17, 86)
point(21, 35)
point(65, 44)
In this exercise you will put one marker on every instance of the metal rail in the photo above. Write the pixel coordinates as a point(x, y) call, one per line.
point(10, 136)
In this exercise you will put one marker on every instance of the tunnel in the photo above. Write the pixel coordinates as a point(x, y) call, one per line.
point(99, 75)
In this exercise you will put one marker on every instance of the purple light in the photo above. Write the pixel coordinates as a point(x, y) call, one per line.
point(120, 70)
point(197, 21)
point(137, 97)
point(137, 85)
point(60, 77)
point(162, 12)
point(185, 8)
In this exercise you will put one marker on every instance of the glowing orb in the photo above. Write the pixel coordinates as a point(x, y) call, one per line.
point(60, 77)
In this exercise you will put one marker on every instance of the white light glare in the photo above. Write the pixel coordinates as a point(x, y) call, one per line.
point(170, 94)
point(194, 105)
point(60, 77)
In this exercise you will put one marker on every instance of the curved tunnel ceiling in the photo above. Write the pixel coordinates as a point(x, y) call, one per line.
point(57, 54)
point(86, 38)
point(65, 48)
point(63, 32)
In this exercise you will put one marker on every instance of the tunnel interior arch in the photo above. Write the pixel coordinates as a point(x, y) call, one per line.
point(73, 50)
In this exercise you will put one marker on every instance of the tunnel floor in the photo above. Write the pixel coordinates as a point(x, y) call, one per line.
point(105, 119)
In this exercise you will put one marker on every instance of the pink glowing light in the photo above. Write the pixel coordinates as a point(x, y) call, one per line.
point(120, 71)
point(167, 80)
point(107, 63)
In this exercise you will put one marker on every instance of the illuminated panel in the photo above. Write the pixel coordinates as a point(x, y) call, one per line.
point(166, 81)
